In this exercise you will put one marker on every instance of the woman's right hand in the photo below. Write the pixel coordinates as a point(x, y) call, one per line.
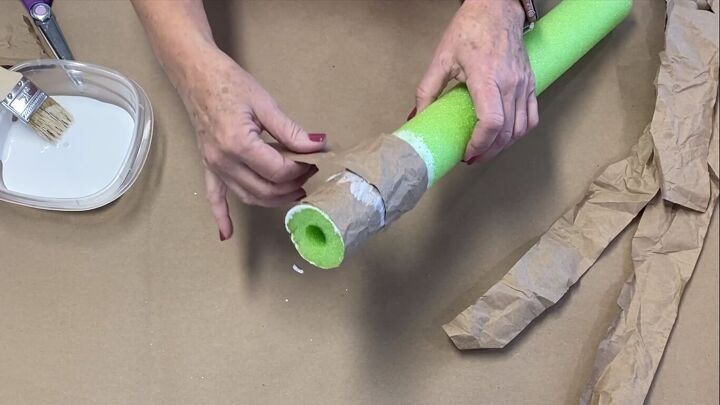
point(229, 111)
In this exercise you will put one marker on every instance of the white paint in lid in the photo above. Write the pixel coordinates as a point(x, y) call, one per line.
point(84, 162)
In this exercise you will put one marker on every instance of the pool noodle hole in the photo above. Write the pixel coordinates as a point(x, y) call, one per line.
point(316, 235)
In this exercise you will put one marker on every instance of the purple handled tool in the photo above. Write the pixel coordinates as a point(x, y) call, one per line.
point(42, 15)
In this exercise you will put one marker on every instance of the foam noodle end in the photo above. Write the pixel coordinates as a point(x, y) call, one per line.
point(315, 236)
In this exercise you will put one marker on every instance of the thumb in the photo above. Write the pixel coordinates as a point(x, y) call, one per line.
point(217, 197)
point(287, 131)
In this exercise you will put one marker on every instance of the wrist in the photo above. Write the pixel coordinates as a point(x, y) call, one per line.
point(512, 9)
point(184, 60)
point(185, 49)
point(516, 10)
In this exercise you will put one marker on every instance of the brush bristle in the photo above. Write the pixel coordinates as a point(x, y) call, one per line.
point(51, 120)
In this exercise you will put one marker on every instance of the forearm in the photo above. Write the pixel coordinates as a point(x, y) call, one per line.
point(179, 33)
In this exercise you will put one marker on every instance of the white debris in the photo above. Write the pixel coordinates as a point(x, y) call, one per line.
point(298, 269)
point(422, 149)
point(286, 300)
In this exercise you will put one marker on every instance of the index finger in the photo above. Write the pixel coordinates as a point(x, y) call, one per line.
point(269, 163)
point(490, 114)
point(216, 192)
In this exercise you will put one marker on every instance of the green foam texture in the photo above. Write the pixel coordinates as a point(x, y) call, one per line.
point(315, 238)
point(559, 40)
point(444, 128)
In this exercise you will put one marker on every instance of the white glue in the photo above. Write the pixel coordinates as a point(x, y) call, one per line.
point(86, 160)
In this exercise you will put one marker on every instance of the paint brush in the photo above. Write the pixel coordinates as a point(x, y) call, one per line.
point(33, 106)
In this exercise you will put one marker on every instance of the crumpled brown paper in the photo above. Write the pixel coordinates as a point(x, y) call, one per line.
point(561, 256)
point(684, 105)
point(18, 41)
point(665, 249)
point(668, 240)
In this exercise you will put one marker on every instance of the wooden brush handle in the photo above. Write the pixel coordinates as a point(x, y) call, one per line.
point(8, 80)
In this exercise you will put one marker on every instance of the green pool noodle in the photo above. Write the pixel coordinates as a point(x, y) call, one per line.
point(441, 132)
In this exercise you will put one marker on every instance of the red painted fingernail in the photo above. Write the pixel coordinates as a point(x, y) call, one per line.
point(317, 137)
point(412, 114)
point(222, 237)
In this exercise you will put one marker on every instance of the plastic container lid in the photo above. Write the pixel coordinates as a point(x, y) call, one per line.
point(70, 78)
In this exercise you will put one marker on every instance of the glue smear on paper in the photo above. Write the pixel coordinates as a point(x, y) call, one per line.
point(87, 159)
point(364, 192)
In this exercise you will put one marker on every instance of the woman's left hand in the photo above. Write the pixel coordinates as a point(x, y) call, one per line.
point(483, 47)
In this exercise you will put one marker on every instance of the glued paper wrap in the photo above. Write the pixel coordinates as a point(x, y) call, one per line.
point(383, 178)
point(345, 197)
point(393, 167)
point(674, 171)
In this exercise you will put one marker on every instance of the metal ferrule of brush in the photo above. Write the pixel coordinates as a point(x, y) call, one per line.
point(24, 100)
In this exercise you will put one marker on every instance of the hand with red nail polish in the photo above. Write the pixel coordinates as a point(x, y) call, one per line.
point(229, 110)
point(483, 47)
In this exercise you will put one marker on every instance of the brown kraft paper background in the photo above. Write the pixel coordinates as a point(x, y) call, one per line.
point(18, 41)
point(140, 303)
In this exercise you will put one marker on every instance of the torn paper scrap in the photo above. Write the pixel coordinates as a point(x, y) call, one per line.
point(561, 256)
point(686, 93)
point(665, 250)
